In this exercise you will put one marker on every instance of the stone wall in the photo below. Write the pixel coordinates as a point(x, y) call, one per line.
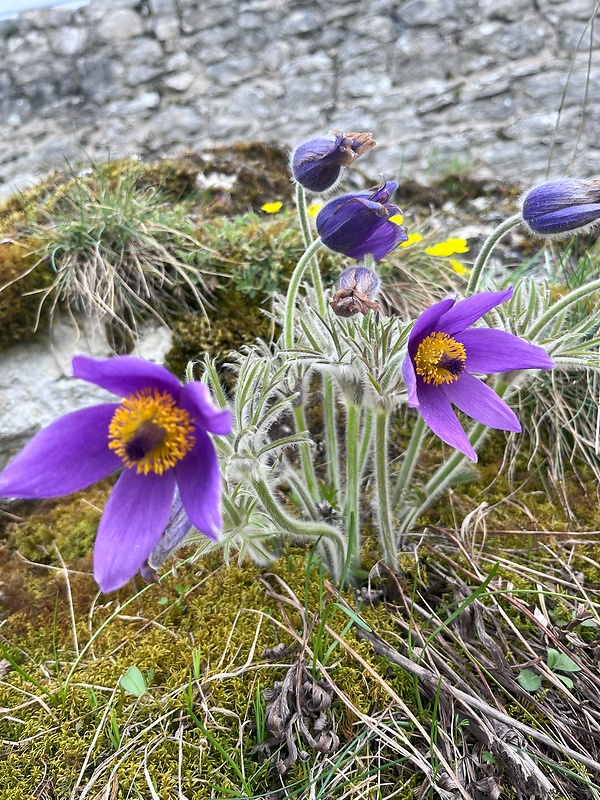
point(470, 84)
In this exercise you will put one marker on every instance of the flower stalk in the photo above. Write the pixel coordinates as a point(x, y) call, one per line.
point(351, 506)
point(389, 548)
point(486, 250)
point(294, 285)
point(304, 530)
point(411, 458)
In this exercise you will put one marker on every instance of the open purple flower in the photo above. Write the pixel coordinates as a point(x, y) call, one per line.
point(444, 352)
point(559, 206)
point(158, 433)
point(359, 223)
point(317, 164)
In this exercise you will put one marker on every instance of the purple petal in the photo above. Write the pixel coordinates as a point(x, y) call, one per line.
point(383, 193)
point(134, 519)
point(343, 227)
point(566, 219)
point(382, 241)
point(427, 322)
point(125, 375)
point(195, 397)
point(468, 311)
point(490, 350)
point(410, 381)
point(348, 223)
point(199, 481)
point(481, 402)
point(437, 412)
point(65, 457)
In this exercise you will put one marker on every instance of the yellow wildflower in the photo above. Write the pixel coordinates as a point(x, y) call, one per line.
point(414, 238)
point(271, 208)
point(448, 247)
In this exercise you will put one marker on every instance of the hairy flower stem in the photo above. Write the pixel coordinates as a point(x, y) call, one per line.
point(387, 540)
point(351, 509)
point(487, 248)
point(305, 457)
point(333, 472)
point(305, 530)
point(365, 444)
point(369, 261)
point(288, 327)
point(442, 478)
point(290, 302)
point(333, 455)
point(562, 305)
point(411, 457)
point(315, 273)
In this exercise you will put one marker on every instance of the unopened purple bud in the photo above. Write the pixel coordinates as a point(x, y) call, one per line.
point(356, 291)
point(559, 206)
point(178, 527)
point(316, 164)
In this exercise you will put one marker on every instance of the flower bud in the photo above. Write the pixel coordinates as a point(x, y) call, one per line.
point(316, 164)
point(359, 224)
point(357, 288)
point(559, 206)
point(178, 526)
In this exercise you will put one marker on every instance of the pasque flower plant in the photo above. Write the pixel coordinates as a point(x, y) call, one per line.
point(365, 365)
point(158, 434)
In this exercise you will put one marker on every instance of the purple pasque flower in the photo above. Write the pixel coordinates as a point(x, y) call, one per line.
point(317, 164)
point(359, 224)
point(559, 206)
point(443, 354)
point(158, 433)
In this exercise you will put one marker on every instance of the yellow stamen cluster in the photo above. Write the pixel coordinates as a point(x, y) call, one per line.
point(150, 432)
point(440, 359)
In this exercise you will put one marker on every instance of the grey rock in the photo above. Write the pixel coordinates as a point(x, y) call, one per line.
point(302, 22)
point(167, 29)
point(425, 76)
point(428, 12)
point(36, 381)
point(180, 81)
point(178, 62)
point(163, 7)
point(119, 25)
point(195, 18)
point(68, 40)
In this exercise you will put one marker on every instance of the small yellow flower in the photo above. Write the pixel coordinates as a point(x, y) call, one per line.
point(313, 209)
point(271, 208)
point(397, 218)
point(414, 238)
point(448, 247)
point(460, 269)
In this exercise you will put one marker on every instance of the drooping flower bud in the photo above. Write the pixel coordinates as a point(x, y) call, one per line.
point(359, 224)
point(356, 291)
point(178, 526)
point(316, 164)
point(559, 206)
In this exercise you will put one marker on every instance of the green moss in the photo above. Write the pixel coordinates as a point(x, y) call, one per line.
point(196, 336)
point(23, 280)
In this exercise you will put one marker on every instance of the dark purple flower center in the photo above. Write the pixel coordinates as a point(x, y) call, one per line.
point(147, 437)
point(150, 432)
point(440, 359)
